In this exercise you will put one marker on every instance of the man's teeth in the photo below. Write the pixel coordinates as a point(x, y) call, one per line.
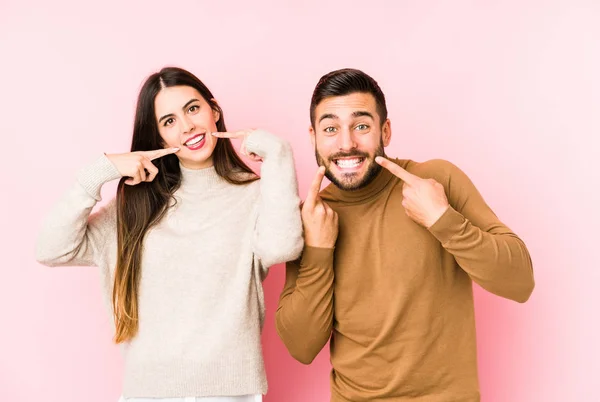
point(348, 163)
point(195, 140)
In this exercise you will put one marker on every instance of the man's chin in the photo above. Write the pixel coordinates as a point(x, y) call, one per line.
point(347, 181)
point(351, 181)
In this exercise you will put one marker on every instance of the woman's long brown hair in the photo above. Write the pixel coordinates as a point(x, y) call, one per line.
point(141, 206)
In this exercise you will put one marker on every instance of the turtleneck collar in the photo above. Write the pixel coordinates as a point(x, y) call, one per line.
point(201, 179)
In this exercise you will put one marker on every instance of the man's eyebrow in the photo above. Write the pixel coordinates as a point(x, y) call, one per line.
point(328, 116)
point(360, 113)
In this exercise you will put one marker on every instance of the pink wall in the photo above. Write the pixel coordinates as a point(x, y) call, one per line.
point(509, 91)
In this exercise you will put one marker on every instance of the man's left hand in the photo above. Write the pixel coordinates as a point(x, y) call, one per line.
point(424, 200)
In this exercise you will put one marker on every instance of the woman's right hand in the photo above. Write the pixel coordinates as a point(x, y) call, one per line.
point(243, 135)
point(137, 165)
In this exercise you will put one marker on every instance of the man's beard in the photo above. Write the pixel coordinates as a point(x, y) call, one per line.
point(349, 181)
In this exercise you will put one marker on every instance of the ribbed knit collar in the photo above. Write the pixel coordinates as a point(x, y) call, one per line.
point(201, 180)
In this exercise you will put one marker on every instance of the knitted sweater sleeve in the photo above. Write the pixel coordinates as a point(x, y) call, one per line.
point(484, 247)
point(278, 233)
point(71, 235)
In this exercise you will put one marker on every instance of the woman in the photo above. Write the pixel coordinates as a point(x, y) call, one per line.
point(185, 245)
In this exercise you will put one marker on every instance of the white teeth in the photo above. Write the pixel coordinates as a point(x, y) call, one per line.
point(348, 163)
point(195, 140)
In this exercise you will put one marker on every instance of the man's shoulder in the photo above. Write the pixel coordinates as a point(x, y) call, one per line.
point(431, 166)
point(437, 169)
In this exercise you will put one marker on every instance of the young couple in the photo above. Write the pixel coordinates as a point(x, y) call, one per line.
point(381, 261)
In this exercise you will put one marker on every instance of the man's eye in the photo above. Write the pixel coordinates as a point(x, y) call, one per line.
point(329, 129)
point(362, 127)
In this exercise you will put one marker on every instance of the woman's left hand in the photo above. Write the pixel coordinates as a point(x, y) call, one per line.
point(243, 135)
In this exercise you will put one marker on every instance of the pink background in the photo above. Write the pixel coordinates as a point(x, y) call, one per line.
point(509, 91)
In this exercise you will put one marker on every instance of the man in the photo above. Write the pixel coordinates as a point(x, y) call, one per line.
point(391, 250)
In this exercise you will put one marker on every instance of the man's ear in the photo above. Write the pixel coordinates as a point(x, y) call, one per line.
point(386, 133)
point(311, 132)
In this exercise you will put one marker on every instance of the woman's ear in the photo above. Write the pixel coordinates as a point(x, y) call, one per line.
point(216, 113)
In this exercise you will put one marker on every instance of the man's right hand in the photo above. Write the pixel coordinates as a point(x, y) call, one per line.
point(319, 220)
point(137, 165)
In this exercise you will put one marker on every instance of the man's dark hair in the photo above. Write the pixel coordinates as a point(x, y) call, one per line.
point(345, 82)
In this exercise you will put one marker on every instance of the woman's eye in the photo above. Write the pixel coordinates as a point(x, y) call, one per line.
point(169, 121)
point(193, 109)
